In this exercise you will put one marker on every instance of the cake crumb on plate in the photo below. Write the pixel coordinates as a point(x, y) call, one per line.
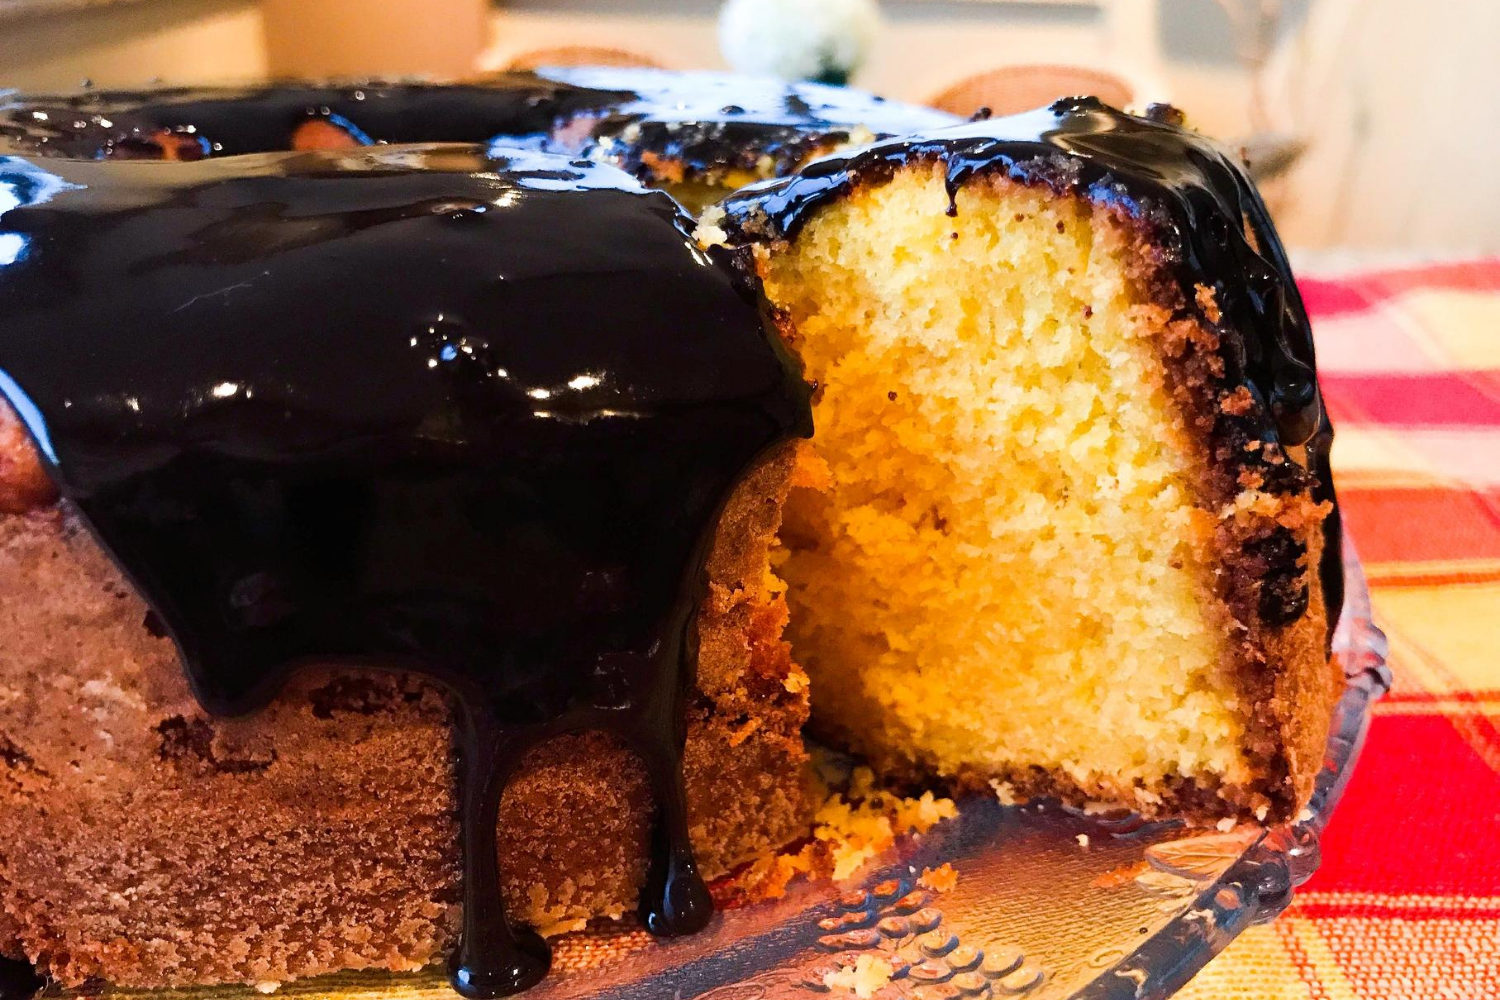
point(868, 974)
point(939, 879)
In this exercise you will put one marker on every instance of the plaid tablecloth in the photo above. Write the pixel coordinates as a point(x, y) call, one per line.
point(1406, 905)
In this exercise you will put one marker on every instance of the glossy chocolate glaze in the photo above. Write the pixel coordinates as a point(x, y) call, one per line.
point(227, 121)
point(708, 123)
point(18, 980)
point(1203, 210)
point(436, 408)
point(704, 123)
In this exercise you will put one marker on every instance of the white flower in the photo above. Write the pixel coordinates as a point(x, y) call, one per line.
point(798, 39)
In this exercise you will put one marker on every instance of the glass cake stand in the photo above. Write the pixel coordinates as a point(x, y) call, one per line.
point(1050, 903)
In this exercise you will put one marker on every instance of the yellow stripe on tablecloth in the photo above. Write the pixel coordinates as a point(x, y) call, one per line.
point(1369, 456)
point(1256, 966)
point(1456, 326)
point(1430, 959)
point(1448, 633)
point(1318, 964)
point(1378, 457)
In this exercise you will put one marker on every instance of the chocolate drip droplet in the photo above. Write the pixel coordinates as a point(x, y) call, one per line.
point(18, 980)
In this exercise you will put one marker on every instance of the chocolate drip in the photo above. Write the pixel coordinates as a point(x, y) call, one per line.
point(442, 409)
point(1331, 567)
point(1215, 227)
point(18, 980)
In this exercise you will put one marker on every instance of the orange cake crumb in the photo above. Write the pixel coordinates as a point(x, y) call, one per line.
point(851, 827)
point(940, 879)
point(867, 975)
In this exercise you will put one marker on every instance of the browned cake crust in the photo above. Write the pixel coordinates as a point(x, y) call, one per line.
point(1269, 595)
point(145, 844)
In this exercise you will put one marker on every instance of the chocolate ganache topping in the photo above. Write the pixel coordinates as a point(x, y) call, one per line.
point(707, 123)
point(703, 123)
point(18, 980)
point(441, 408)
point(1198, 201)
point(192, 123)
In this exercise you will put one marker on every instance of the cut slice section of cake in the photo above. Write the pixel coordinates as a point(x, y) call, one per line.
point(1066, 540)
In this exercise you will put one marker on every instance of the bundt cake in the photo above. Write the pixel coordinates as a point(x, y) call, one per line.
point(372, 515)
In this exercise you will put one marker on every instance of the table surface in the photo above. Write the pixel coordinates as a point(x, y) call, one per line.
point(1406, 905)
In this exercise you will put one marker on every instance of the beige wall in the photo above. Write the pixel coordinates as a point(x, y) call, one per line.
point(1402, 102)
point(1396, 103)
point(348, 38)
point(927, 44)
point(125, 44)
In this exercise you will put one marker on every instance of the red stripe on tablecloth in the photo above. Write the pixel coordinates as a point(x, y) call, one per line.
point(1413, 575)
point(1443, 398)
point(1391, 910)
point(1332, 297)
point(1420, 792)
point(1361, 292)
point(1463, 276)
point(1429, 697)
point(1416, 576)
point(1391, 524)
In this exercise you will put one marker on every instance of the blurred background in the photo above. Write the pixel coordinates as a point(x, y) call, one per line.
point(1374, 123)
